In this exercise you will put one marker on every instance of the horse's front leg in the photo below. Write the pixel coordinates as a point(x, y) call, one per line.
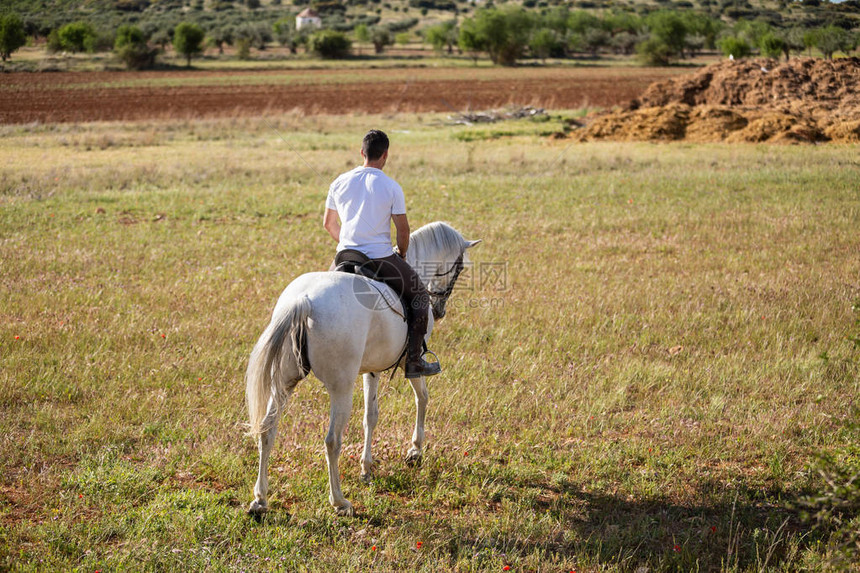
point(265, 443)
point(371, 416)
point(416, 452)
point(341, 405)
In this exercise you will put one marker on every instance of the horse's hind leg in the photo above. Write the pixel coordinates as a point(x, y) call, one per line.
point(265, 442)
point(371, 416)
point(341, 406)
point(416, 452)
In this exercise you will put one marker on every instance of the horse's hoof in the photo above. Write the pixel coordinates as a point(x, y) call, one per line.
point(345, 510)
point(257, 510)
point(367, 469)
point(413, 458)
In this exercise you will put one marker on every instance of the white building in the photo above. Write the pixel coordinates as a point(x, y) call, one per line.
point(308, 18)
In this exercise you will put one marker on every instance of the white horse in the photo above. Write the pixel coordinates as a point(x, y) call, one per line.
point(338, 325)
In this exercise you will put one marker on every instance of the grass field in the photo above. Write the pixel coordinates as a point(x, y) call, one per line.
point(642, 371)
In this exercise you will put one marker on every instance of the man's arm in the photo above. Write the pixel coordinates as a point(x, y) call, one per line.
point(332, 224)
point(401, 224)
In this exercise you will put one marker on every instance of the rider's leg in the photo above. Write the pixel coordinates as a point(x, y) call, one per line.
point(400, 276)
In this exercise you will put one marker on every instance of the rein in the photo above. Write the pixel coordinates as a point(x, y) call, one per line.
point(456, 269)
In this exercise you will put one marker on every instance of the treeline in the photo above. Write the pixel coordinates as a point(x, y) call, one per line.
point(509, 33)
point(506, 32)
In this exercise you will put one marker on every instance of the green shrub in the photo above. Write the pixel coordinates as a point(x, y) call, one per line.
point(654, 52)
point(77, 37)
point(131, 47)
point(329, 44)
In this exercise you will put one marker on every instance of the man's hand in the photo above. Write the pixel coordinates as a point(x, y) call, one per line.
point(332, 224)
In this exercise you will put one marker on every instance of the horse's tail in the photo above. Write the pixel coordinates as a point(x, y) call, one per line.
point(269, 374)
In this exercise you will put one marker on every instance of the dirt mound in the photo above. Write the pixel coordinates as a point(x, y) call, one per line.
point(802, 100)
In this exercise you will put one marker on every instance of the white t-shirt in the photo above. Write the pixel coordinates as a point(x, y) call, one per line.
point(365, 199)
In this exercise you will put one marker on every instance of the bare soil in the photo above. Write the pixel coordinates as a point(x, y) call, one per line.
point(91, 96)
point(802, 100)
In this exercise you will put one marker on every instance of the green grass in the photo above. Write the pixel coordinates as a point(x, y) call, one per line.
point(650, 386)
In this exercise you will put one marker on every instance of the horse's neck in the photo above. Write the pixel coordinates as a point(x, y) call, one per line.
point(425, 265)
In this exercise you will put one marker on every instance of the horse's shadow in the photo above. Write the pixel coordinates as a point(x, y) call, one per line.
point(740, 528)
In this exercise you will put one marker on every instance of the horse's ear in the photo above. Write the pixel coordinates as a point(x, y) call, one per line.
point(470, 244)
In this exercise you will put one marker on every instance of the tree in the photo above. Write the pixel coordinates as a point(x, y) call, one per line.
point(752, 31)
point(794, 40)
point(286, 33)
point(545, 43)
point(734, 47)
point(595, 39)
point(362, 34)
point(131, 47)
point(834, 39)
point(469, 39)
point(442, 35)
point(220, 36)
point(624, 43)
point(772, 45)
point(619, 22)
point(77, 37)
point(161, 38)
point(703, 26)
point(670, 29)
point(580, 22)
point(381, 37)
point(502, 32)
point(12, 35)
point(188, 40)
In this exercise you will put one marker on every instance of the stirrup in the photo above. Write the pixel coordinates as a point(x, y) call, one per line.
point(425, 368)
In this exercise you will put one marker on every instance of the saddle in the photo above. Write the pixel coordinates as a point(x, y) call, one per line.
point(355, 262)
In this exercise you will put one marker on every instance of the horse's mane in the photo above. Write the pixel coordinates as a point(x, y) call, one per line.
point(435, 240)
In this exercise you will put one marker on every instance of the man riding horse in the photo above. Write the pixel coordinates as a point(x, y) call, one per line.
point(360, 207)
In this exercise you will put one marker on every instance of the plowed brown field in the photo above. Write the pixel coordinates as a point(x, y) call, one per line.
point(108, 96)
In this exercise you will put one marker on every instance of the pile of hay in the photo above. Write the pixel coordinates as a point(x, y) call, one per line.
point(755, 100)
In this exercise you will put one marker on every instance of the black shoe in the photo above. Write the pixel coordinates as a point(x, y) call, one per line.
point(421, 368)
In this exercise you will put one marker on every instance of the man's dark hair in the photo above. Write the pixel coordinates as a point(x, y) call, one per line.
point(374, 144)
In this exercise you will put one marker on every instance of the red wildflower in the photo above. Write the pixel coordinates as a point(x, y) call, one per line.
point(419, 545)
point(677, 549)
point(506, 568)
point(373, 548)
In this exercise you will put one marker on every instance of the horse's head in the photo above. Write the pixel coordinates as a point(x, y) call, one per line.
point(439, 257)
point(442, 284)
